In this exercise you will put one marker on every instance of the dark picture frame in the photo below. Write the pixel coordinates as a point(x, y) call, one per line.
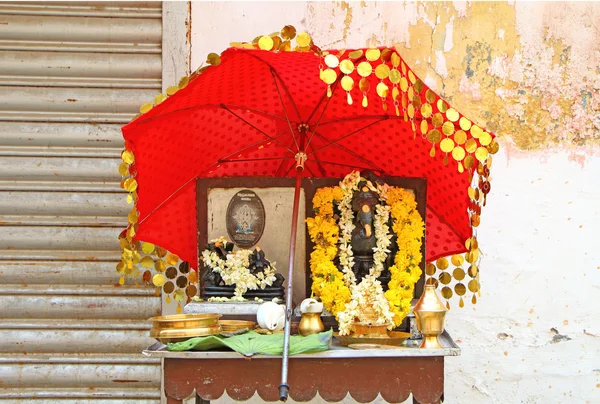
point(418, 185)
point(204, 185)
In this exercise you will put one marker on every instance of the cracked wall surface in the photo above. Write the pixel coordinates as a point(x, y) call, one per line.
point(530, 72)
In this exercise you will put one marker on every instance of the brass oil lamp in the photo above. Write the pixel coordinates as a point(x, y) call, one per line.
point(310, 322)
point(430, 313)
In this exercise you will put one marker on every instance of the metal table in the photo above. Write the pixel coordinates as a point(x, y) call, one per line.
point(393, 373)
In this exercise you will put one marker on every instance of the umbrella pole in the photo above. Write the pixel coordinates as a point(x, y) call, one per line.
point(284, 387)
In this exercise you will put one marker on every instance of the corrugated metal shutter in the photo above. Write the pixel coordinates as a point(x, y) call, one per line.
point(71, 74)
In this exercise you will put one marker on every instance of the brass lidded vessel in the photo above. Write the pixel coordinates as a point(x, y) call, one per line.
point(430, 313)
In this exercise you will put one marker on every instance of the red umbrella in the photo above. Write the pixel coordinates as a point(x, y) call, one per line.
point(262, 111)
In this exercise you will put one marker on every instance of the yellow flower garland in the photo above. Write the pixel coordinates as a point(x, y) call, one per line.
point(409, 228)
point(328, 280)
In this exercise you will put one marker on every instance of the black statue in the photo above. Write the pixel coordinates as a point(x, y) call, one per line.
point(222, 249)
point(258, 262)
point(363, 236)
point(213, 285)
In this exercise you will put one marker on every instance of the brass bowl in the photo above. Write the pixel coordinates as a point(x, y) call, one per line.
point(396, 338)
point(235, 325)
point(364, 330)
point(184, 321)
point(178, 335)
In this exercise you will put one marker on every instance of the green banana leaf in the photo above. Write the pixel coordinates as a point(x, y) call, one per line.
point(252, 343)
point(197, 344)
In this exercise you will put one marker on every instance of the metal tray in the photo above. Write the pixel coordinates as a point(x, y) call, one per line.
point(395, 338)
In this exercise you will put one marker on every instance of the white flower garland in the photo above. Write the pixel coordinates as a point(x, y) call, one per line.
point(348, 185)
point(369, 293)
point(383, 239)
point(234, 270)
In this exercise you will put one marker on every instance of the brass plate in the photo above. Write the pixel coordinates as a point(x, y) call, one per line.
point(171, 335)
point(396, 338)
point(371, 346)
point(185, 321)
point(235, 325)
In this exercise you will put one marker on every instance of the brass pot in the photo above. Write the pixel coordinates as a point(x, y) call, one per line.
point(364, 330)
point(310, 323)
point(430, 313)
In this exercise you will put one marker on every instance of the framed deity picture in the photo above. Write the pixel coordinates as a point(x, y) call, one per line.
point(253, 212)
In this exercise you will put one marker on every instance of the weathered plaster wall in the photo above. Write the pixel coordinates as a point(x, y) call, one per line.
point(529, 72)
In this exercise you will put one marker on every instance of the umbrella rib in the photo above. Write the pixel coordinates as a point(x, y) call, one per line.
point(310, 171)
point(348, 135)
point(210, 106)
point(288, 171)
point(373, 168)
point(273, 71)
point(220, 161)
point(353, 153)
point(362, 117)
point(256, 159)
point(254, 127)
point(320, 117)
point(317, 161)
point(333, 89)
point(282, 162)
point(281, 165)
point(287, 90)
point(319, 104)
point(337, 81)
point(260, 111)
point(245, 148)
point(284, 109)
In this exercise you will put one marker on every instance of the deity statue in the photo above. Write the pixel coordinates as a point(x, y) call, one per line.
point(363, 235)
point(215, 285)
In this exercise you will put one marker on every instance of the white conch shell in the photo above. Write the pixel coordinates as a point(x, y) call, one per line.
point(311, 306)
point(271, 316)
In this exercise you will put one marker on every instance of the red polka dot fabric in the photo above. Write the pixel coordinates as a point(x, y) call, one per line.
point(242, 118)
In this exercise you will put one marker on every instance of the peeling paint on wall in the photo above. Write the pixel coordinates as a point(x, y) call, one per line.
point(528, 71)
